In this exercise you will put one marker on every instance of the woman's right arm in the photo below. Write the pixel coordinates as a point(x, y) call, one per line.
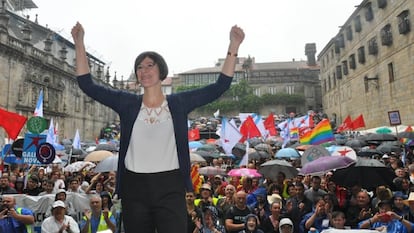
point(82, 66)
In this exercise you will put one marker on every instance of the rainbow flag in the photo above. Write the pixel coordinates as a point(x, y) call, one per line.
point(406, 141)
point(305, 138)
point(294, 133)
point(322, 133)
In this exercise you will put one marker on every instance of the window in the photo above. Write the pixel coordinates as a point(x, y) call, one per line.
point(386, 35)
point(290, 90)
point(339, 72)
point(349, 35)
point(404, 22)
point(337, 47)
point(369, 15)
point(382, 3)
point(345, 67)
point(357, 23)
point(257, 92)
point(361, 55)
point(341, 41)
point(373, 46)
point(352, 63)
point(272, 90)
point(391, 77)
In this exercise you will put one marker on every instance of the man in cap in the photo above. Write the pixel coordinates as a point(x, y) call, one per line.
point(15, 219)
point(59, 222)
point(286, 225)
point(206, 197)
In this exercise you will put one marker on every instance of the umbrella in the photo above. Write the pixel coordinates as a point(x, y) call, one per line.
point(383, 130)
point(369, 173)
point(98, 155)
point(208, 148)
point(257, 155)
point(244, 172)
point(239, 149)
point(106, 146)
point(211, 171)
point(255, 141)
point(196, 158)
point(355, 143)
point(390, 146)
point(77, 166)
point(207, 154)
point(380, 137)
point(325, 164)
point(409, 135)
point(271, 169)
point(287, 153)
point(194, 144)
point(108, 164)
point(368, 152)
point(263, 147)
point(342, 151)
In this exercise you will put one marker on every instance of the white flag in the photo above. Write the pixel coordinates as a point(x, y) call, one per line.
point(229, 135)
point(217, 113)
point(50, 137)
point(76, 141)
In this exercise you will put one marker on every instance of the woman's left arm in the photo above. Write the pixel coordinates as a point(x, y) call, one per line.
point(236, 38)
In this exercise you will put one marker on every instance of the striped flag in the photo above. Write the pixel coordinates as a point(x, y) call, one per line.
point(39, 105)
point(196, 178)
point(322, 133)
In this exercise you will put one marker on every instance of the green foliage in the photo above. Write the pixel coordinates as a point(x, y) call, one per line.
point(240, 98)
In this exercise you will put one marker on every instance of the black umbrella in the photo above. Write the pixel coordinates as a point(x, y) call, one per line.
point(239, 149)
point(390, 146)
point(259, 155)
point(368, 152)
point(271, 169)
point(409, 135)
point(355, 143)
point(369, 173)
point(380, 137)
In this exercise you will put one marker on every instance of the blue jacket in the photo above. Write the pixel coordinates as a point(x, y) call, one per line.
point(127, 105)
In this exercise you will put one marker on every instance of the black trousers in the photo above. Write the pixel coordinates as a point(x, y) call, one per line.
point(153, 201)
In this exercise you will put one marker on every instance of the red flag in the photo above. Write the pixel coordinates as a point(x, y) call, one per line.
point(269, 124)
point(12, 122)
point(193, 134)
point(408, 129)
point(358, 122)
point(249, 129)
point(347, 124)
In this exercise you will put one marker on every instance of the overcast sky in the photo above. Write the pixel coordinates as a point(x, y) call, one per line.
point(192, 33)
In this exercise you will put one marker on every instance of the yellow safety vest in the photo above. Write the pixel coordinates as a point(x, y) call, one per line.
point(197, 201)
point(28, 227)
point(102, 224)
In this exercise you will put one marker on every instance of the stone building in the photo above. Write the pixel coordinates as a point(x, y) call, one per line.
point(34, 58)
point(292, 77)
point(367, 68)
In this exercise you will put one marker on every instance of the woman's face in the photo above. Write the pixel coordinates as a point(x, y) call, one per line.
point(148, 73)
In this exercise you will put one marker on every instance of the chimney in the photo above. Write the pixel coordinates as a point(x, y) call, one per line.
point(310, 51)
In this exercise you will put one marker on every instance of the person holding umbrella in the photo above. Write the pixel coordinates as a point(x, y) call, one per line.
point(162, 168)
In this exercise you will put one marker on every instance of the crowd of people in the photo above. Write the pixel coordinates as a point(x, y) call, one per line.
point(223, 203)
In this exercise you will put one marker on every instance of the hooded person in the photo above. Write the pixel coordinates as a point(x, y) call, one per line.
point(285, 225)
point(257, 202)
point(209, 221)
point(252, 224)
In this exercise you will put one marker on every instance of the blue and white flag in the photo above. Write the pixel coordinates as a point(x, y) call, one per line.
point(229, 135)
point(50, 137)
point(76, 141)
point(39, 106)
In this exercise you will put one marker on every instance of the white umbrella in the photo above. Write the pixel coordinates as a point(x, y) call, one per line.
point(107, 165)
point(98, 155)
point(77, 166)
point(196, 158)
